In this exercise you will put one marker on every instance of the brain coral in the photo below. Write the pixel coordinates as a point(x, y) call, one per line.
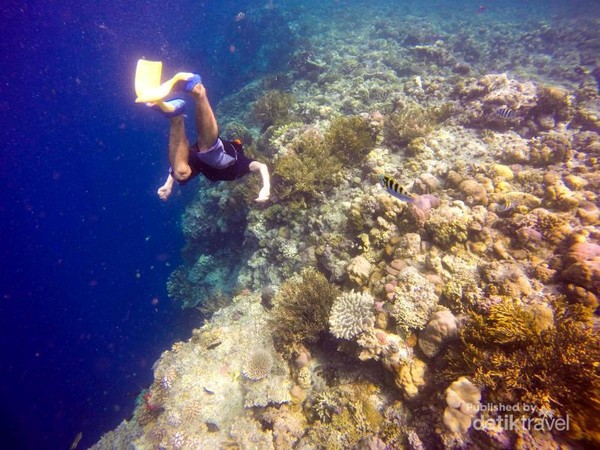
point(440, 328)
point(582, 266)
point(351, 314)
point(259, 365)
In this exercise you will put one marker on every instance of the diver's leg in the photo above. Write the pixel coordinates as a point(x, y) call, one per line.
point(179, 149)
point(206, 124)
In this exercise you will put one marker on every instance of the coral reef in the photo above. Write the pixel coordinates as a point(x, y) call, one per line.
point(414, 300)
point(522, 354)
point(492, 127)
point(582, 266)
point(350, 139)
point(258, 366)
point(351, 314)
point(301, 309)
point(411, 121)
point(306, 170)
point(441, 327)
point(273, 108)
point(462, 400)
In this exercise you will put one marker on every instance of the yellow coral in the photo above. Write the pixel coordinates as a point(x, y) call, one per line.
point(301, 310)
point(272, 108)
point(305, 171)
point(350, 139)
point(521, 358)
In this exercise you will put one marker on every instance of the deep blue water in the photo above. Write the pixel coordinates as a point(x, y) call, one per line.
point(86, 245)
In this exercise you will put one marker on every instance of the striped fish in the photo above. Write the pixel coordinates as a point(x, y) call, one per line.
point(394, 188)
point(507, 113)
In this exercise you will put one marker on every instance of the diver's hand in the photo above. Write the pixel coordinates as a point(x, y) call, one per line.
point(164, 192)
point(264, 194)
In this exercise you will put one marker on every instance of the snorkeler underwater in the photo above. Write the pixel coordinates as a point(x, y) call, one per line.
point(394, 243)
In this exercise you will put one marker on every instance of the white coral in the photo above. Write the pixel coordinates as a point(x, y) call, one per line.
point(414, 300)
point(351, 314)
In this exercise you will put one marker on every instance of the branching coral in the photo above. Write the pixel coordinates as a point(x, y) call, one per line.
point(273, 108)
point(555, 368)
point(301, 310)
point(409, 123)
point(305, 171)
point(413, 121)
point(350, 139)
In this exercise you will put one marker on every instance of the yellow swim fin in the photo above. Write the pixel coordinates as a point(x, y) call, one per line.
point(148, 87)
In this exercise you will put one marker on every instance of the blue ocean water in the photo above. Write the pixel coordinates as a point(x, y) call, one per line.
point(86, 246)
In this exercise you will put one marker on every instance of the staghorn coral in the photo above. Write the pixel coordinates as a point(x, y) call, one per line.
point(301, 309)
point(351, 314)
point(273, 108)
point(512, 323)
point(520, 360)
point(350, 139)
point(305, 171)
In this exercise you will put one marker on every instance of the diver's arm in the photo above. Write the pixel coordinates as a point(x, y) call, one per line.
point(164, 192)
point(265, 192)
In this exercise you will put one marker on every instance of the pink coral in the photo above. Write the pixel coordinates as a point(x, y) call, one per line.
point(422, 205)
point(582, 266)
point(528, 236)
